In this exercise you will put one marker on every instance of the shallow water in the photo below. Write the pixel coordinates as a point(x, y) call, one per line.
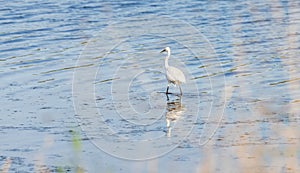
point(82, 86)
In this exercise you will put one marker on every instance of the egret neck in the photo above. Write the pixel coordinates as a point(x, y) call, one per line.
point(167, 59)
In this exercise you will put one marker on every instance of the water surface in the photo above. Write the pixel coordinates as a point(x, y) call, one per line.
point(82, 86)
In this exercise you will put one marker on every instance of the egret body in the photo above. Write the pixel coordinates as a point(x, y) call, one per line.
point(173, 74)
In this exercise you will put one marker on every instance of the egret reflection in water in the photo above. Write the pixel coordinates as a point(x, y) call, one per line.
point(174, 111)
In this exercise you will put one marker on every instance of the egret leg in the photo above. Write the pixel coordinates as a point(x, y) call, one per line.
point(167, 97)
point(167, 92)
point(180, 90)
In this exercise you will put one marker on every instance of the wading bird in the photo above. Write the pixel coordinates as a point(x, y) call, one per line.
point(173, 74)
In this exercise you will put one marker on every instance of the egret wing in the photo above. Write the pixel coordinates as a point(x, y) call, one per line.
point(175, 75)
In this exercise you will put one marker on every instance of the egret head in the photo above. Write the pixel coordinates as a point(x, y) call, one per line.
point(167, 49)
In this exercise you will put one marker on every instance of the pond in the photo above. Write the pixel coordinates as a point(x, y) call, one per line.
point(83, 86)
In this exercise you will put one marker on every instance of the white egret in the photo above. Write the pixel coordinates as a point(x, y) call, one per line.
point(173, 74)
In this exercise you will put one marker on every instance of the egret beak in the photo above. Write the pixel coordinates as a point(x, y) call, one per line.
point(163, 51)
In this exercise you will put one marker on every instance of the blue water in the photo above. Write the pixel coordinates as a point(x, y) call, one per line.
point(82, 86)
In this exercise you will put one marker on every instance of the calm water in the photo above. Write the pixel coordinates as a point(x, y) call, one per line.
point(82, 86)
